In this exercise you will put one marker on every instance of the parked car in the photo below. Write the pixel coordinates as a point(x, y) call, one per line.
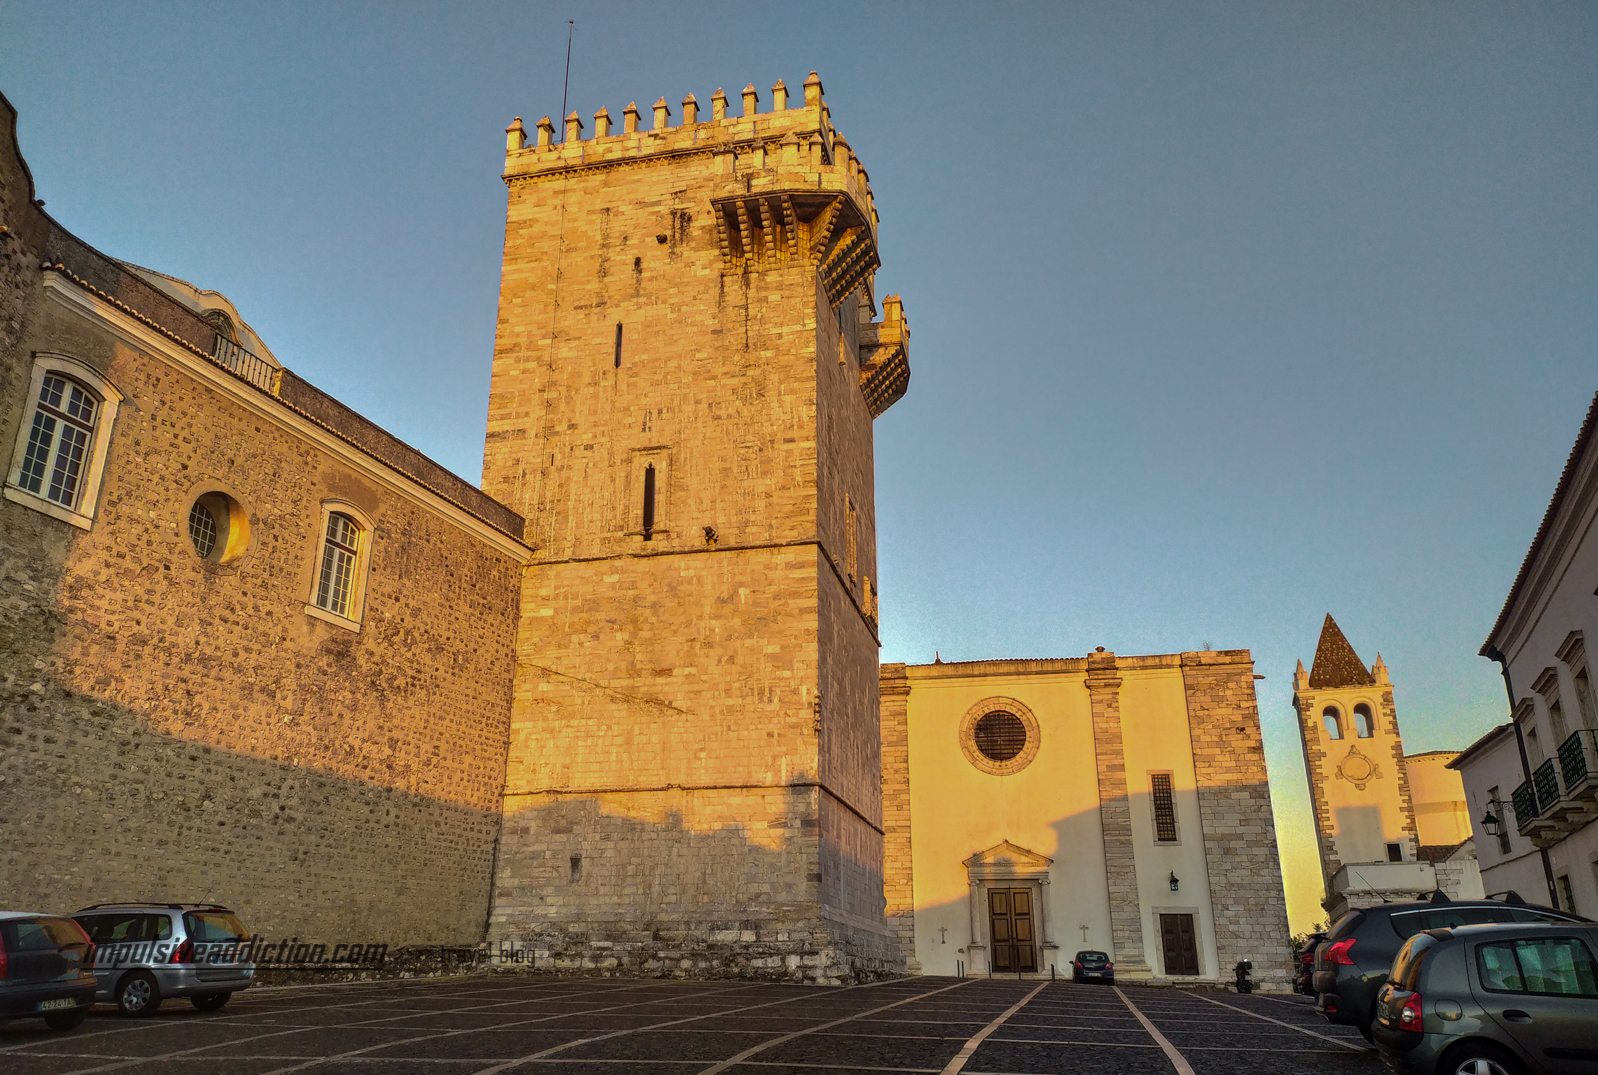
point(45, 969)
point(1492, 1000)
point(1090, 966)
point(147, 952)
point(1304, 970)
point(1352, 964)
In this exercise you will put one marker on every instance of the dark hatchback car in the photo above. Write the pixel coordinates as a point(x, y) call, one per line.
point(1090, 966)
point(1351, 965)
point(1492, 1000)
point(46, 969)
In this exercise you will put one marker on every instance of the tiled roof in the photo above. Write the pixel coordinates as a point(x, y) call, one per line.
point(1336, 663)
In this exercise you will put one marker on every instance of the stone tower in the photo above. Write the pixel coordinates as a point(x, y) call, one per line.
point(1358, 783)
point(686, 372)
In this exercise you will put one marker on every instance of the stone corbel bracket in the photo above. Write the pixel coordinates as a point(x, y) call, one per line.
point(885, 358)
point(773, 229)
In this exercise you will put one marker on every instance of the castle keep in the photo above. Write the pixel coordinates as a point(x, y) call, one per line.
point(686, 372)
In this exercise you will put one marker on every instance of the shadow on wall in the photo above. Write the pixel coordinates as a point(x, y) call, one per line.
point(100, 807)
point(655, 885)
point(1360, 836)
point(1237, 912)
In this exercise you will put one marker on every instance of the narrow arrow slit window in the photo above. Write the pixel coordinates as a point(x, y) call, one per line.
point(649, 502)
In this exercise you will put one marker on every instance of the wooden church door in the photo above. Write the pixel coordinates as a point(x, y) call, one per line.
point(1180, 944)
point(1010, 914)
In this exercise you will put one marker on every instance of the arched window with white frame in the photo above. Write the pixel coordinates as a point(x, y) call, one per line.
point(343, 557)
point(63, 440)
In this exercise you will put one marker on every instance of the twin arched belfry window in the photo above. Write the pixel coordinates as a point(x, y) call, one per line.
point(1364, 723)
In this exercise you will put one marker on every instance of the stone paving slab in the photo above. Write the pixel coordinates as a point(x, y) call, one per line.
point(469, 1026)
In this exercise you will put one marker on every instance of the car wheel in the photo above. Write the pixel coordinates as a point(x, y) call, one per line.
point(1478, 1058)
point(138, 994)
point(67, 1020)
point(210, 1002)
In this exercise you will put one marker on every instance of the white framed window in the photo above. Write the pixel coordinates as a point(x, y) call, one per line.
point(63, 439)
point(343, 560)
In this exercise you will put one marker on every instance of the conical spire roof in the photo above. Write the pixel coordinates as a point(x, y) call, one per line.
point(1336, 663)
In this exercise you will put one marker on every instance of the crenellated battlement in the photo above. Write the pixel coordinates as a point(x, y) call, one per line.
point(756, 153)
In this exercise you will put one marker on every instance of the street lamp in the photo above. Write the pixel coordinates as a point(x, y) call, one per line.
point(1176, 883)
point(1491, 823)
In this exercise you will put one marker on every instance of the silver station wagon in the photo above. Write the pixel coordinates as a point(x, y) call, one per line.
point(147, 952)
point(1492, 1000)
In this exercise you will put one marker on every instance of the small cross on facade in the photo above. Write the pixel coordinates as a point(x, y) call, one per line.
point(943, 934)
point(1084, 930)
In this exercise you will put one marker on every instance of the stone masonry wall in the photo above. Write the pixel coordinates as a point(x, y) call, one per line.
point(179, 729)
point(898, 869)
point(1115, 817)
point(1240, 849)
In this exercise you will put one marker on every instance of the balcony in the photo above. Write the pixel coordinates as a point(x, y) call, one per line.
point(1543, 813)
point(246, 364)
point(1578, 763)
point(1526, 812)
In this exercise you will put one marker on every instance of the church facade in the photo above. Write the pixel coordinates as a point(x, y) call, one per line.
point(619, 710)
point(1036, 808)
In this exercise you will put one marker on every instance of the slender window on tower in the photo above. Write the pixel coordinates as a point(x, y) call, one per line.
point(618, 345)
point(851, 541)
point(649, 502)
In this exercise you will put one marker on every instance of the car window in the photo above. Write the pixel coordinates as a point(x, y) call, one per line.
point(1552, 966)
point(27, 935)
point(1092, 957)
point(1345, 925)
point(1406, 967)
point(1409, 923)
point(1532, 914)
point(126, 927)
point(213, 927)
point(62, 931)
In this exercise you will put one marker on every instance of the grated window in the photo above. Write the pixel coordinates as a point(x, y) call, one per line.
point(202, 530)
point(1000, 736)
point(1164, 806)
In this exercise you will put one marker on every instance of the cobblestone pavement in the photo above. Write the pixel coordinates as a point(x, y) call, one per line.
point(485, 1025)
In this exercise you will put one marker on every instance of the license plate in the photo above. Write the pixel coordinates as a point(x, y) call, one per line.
point(52, 1005)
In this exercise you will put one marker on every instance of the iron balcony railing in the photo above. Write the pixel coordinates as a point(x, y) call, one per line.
point(1526, 812)
point(1578, 762)
point(1546, 779)
point(258, 371)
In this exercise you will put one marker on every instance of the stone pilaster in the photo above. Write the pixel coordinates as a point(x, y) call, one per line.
point(1115, 816)
point(1245, 872)
point(897, 885)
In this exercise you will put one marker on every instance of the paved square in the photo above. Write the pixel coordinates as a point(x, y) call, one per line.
point(489, 1024)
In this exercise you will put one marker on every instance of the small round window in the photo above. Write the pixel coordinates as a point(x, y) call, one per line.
point(202, 529)
point(1000, 736)
point(218, 528)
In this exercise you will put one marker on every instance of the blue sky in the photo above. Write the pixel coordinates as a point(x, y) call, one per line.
point(1224, 315)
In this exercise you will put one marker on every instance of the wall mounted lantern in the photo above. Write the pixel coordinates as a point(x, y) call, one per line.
point(1176, 882)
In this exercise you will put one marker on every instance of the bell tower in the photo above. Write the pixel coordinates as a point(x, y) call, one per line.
point(687, 365)
point(1359, 786)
